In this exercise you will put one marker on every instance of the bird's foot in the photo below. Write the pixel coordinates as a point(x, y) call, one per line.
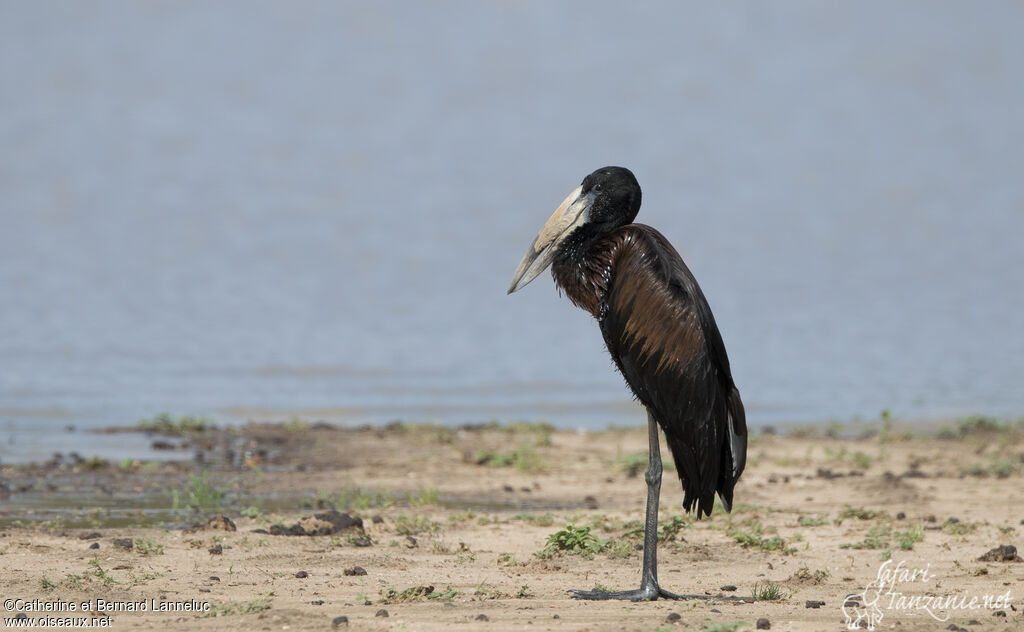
point(648, 593)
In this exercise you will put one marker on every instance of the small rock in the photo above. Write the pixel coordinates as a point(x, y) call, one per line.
point(94, 545)
point(811, 603)
point(556, 617)
point(589, 502)
point(410, 542)
point(302, 574)
point(716, 611)
point(367, 603)
point(362, 541)
point(214, 578)
point(929, 519)
point(216, 549)
point(482, 617)
point(339, 622)
point(999, 613)
point(508, 488)
point(382, 613)
point(355, 570)
point(21, 616)
point(222, 522)
point(901, 516)
point(377, 519)
point(673, 617)
point(1003, 553)
point(764, 624)
point(93, 535)
point(325, 523)
point(124, 543)
point(728, 588)
point(317, 602)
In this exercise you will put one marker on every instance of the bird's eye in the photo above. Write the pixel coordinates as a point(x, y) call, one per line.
point(598, 187)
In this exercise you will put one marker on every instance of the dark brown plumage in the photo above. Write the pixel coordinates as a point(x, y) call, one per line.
point(660, 332)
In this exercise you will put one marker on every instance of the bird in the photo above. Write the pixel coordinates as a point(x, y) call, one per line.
point(660, 332)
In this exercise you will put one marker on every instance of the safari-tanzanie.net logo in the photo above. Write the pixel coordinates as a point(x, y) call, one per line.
point(911, 591)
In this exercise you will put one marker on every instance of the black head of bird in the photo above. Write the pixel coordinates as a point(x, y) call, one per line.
point(660, 332)
point(605, 200)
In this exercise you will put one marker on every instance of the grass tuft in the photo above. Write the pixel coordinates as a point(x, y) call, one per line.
point(768, 591)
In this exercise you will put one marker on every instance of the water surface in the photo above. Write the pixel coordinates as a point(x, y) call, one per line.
point(258, 209)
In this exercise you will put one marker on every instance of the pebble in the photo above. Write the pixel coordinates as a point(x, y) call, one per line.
point(811, 603)
point(355, 570)
point(382, 613)
point(410, 542)
point(214, 578)
point(764, 624)
point(317, 602)
point(901, 516)
point(94, 545)
point(377, 519)
point(673, 616)
point(216, 549)
point(482, 617)
point(339, 622)
point(123, 543)
point(302, 574)
point(728, 588)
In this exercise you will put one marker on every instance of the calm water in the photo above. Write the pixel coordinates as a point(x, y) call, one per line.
point(256, 210)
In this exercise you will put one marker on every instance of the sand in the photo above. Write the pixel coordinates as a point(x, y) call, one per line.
point(456, 523)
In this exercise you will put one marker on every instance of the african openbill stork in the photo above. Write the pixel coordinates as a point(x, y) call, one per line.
point(661, 334)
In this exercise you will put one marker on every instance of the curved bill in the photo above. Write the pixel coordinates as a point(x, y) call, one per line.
point(569, 215)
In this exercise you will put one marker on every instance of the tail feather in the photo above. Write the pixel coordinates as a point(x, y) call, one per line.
point(713, 475)
point(734, 449)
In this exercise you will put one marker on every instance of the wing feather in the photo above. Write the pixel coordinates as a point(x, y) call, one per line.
point(660, 331)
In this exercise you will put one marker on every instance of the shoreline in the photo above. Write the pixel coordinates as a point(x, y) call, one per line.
point(467, 512)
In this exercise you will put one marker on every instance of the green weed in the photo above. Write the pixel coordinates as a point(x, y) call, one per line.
point(239, 608)
point(876, 538)
point(415, 525)
point(165, 424)
point(811, 521)
point(907, 539)
point(572, 540)
point(146, 546)
point(768, 591)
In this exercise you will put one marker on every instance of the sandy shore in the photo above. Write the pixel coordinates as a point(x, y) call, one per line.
point(456, 523)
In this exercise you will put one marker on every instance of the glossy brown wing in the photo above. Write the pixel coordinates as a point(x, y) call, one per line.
point(660, 331)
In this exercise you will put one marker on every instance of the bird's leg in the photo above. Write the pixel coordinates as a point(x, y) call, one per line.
point(649, 588)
